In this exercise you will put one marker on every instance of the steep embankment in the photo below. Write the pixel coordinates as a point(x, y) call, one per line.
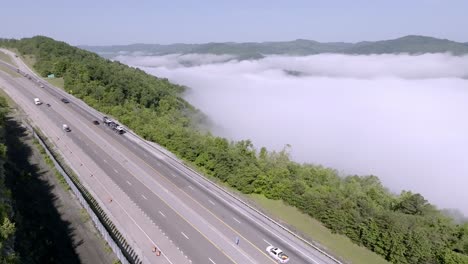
point(403, 229)
point(7, 227)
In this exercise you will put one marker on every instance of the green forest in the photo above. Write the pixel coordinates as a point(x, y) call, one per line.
point(402, 228)
point(7, 227)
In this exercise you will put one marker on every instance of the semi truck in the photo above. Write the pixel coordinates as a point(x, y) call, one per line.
point(113, 125)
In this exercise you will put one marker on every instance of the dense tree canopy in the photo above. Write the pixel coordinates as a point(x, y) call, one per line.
point(402, 228)
point(7, 227)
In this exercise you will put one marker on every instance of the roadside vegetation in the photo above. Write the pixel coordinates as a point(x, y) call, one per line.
point(402, 228)
point(7, 226)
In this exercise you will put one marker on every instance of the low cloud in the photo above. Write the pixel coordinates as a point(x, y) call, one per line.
point(400, 117)
point(172, 61)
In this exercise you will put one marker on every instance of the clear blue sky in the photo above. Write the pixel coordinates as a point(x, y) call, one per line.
point(103, 22)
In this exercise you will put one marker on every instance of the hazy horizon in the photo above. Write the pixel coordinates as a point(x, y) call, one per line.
point(110, 22)
point(262, 41)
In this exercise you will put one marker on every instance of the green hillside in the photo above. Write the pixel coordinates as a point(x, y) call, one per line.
point(408, 44)
point(403, 228)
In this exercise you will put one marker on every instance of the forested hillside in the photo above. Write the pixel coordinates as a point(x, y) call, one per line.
point(403, 228)
point(7, 228)
point(253, 50)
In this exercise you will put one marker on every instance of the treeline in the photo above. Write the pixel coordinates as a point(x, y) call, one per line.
point(402, 228)
point(7, 227)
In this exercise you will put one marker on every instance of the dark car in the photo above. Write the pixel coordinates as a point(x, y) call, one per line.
point(65, 100)
point(96, 122)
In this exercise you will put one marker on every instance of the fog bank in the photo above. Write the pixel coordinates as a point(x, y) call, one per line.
point(400, 117)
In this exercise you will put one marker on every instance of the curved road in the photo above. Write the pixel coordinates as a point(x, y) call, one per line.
point(200, 219)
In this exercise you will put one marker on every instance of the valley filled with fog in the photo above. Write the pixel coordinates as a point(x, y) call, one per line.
point(400, 117)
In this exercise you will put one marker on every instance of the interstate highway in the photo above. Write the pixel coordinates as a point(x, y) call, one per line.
point(201, 220)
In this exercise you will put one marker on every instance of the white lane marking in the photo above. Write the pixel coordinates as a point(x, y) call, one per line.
point(184, 235)
point(144, 197)
point(105, 160)
point(190, 187)
point(212, 261)
point(162, 214)
point(236, 220)
point(255, 221)
point(211, 202)
point(129, 183)
point(116, 171)
point(267, 242)
point(173, 175)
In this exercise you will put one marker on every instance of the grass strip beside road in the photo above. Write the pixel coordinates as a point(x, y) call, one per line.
point(338, 244)
point(30, 60)
point(57, 82)
point(6, 58)
point(9, 71)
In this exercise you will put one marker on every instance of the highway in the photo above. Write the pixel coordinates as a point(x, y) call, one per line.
point(190, 219)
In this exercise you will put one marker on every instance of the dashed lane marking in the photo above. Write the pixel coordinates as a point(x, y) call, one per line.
point(267, 242)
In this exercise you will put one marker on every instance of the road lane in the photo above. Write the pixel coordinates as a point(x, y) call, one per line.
point(219, 210)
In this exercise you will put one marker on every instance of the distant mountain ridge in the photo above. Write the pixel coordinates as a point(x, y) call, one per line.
point(250, 50)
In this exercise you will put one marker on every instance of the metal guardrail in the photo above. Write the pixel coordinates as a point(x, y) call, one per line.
point(101, 221)
point(218, 187)
point(240, 200)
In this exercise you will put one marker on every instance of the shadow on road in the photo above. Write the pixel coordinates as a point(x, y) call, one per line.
point(41, 236)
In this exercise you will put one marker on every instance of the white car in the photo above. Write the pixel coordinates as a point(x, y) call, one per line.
point(277, 254)
point(66, 128)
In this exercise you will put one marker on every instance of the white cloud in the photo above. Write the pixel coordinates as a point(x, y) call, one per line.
point(400, 117)
point(172, 61)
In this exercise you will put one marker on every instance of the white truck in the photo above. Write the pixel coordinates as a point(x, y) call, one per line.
point(37, 101)
point(277, 254)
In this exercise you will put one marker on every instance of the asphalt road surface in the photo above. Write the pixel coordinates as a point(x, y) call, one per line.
point(198, 220)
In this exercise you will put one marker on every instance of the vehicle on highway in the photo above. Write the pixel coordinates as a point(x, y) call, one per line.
point(42, 86)
point(277, 254)
point(113, 125)
point(96, 122)
point(37, 101)
point(48, 104)
point(106, 120)
point(65, 100)
point(66, 128)
point(119, 129)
